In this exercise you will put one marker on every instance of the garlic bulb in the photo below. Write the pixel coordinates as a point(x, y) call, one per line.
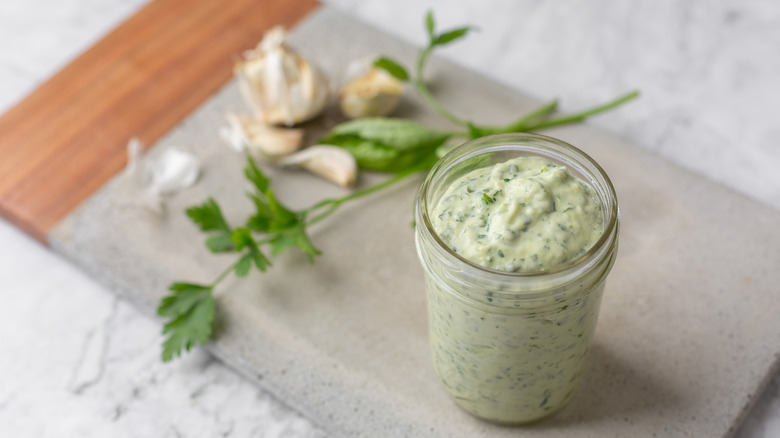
point(280, 86)
point(260, 140)
point(373, 94)
point(330, 162)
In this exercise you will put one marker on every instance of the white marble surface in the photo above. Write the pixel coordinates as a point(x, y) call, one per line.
point(78, 362)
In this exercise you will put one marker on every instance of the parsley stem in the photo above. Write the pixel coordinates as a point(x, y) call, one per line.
point(224, 274)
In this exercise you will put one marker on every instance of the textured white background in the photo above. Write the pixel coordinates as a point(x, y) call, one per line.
point(76, 361)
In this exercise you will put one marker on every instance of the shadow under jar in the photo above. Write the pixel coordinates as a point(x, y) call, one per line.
point(511, 347)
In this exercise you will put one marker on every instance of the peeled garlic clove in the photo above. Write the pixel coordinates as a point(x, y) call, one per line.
point(281, 86)
point(262, 140)
point(330, 162)
point(373, 94)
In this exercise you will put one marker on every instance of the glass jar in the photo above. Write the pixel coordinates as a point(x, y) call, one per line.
point(512, 347)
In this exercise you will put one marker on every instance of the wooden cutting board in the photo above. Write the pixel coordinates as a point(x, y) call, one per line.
point(68, 137)
point(688, 331)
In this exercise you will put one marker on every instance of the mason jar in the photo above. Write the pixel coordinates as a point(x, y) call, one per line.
point(512, 347)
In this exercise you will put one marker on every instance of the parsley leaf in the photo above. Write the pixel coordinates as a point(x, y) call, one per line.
point(219, 243)
point(488, 200)
point(261, 220)
point(281, 217)
point(208, 217)
point(243, 239)
point(243, 265)
point(254, 175)
point(191, 309)
point(294, 237)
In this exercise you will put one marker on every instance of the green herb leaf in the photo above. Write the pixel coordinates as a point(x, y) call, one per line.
point(191, 307)
point(244, 240)
point(294, 237)
point(244, 264)
point(371, 155)
point(183, 298)
point(208, 217)
point(255, 175)
point(261, 261)
point(281, 216)
point(242, 237)
point(488, 200)
point(398, 133)
point(387, 144)
point(261, 220)
point(220, 243)
point(430, 24)
point(452, 35)
point(395, 69)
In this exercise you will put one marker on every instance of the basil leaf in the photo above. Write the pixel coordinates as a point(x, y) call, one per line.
point(393, 132)
point(369, 155)
point(372, 155)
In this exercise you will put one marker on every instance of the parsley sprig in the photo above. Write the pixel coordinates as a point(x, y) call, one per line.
point(190, 307)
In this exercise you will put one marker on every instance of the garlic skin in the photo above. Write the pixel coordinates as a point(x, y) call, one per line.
point(374, 94)
point(281, 86)
point(153, 177)
point(261, 140)
point(330, 162)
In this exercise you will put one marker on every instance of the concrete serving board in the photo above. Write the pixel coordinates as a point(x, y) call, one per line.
point(690, 323)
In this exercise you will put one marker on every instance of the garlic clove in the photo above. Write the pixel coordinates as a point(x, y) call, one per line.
point(280, 86)
point(260, 140)
point(373, 94)
point(330, 162)
point(152, 176)
point(173, 170)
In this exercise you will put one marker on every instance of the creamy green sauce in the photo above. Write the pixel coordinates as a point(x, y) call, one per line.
point(523, 215)
point(504, 360)
point(510, 368)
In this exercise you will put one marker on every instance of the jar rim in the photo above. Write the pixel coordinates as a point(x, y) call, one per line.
point(504, 142)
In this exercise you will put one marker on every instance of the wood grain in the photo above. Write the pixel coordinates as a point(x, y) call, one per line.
point(68, 137)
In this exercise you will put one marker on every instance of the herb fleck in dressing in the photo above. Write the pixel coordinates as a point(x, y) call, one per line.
point(523, 215)
point(499, 359)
